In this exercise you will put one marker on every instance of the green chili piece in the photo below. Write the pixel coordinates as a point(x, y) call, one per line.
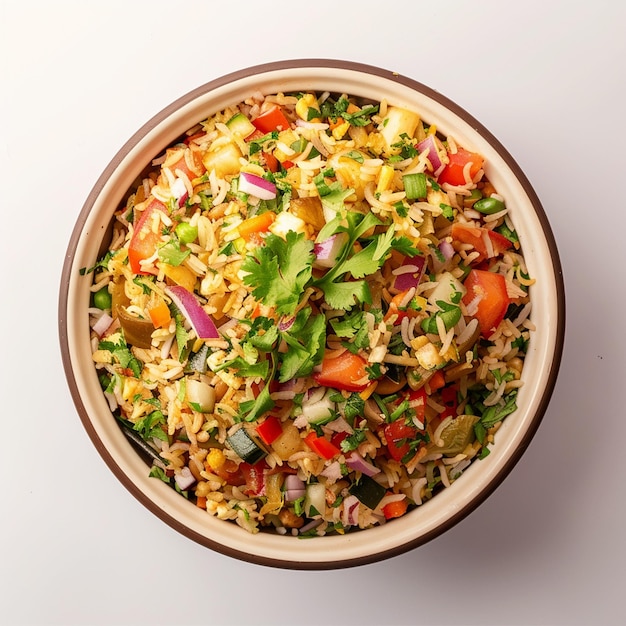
point(489, 205)
point(102, 299)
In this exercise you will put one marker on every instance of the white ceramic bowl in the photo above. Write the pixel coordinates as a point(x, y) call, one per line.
point(450, 505)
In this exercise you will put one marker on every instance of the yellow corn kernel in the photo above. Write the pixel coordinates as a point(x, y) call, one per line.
point(385, 176)
point(420, 302)
point(428, 356)
point(215, 459)
point(340, 130)
point(419, 341)
point(308, 101)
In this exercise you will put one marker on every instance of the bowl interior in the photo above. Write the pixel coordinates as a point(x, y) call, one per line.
point(541, 365)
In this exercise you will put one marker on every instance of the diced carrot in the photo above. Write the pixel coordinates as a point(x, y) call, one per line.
point(201, 502)
point(257, 224)
point(395, 509)
point(160, 314)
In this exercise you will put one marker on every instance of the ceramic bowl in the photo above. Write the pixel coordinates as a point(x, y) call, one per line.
point(449, 506)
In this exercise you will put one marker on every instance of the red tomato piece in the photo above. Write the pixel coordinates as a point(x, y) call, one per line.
point(346, 371)
point(270, 429)
point(453, 172)
point(474, 235)
point(272, 119)
point(254, 476)
point(398, 435)
point(144, 241)
point(322, 446)
point(450, 401)
point(494, 298)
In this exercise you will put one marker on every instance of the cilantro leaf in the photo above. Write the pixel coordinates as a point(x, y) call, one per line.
point(151, 426)
point(494, 414)
point(352, 442)
point(343, 296)
point(171, 253)
point(122, 353)
point(279, 270)
point(304, 350)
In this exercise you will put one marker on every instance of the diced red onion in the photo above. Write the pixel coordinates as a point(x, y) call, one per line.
point(256, 186)
point(350, 510)
point(189, 306)
point(102, 324)
point(332, 472)
point(286, 322)
point(340, 425)
point(184, 479)
point(447, 252)
point(430, 144)
point(411, 278)
point(291, 495)
point(356, 462)
point(293, 482)
point(328, 251)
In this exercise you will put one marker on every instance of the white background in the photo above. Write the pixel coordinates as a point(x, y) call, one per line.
point(547, 78)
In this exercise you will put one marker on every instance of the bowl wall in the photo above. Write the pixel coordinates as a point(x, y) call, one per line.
point(541, 365)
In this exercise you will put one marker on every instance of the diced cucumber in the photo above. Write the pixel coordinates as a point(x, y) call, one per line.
point(245, 447)
point(315, 500)
point(239, 124)
point(368, 491)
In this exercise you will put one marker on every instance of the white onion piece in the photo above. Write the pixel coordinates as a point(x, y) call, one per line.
point(256, 186)
point(189, 306)
point(184, 479)
point(102, 324)
point(201, 395)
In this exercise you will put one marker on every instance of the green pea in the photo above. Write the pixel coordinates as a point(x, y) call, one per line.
point(186, 233)
point(102, 298)
point(489, 205)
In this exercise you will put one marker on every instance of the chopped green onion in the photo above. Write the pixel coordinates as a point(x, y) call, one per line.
point(415, 185)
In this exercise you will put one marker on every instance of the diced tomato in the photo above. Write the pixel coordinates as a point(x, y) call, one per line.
point(436, 381)
point(395, 509)
point(270, 429)
point(144, 241)
point(346, 371)
point(322, 446)
point(231, 473)
point(453, 172)
point(494, 298)
point(398, 435)
point(394, 308)
point(254, 477)
point(450, 401)
point(474, 235)
point(181, 165)
point(337, 438)
point(253, 136)
point(272, 119)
